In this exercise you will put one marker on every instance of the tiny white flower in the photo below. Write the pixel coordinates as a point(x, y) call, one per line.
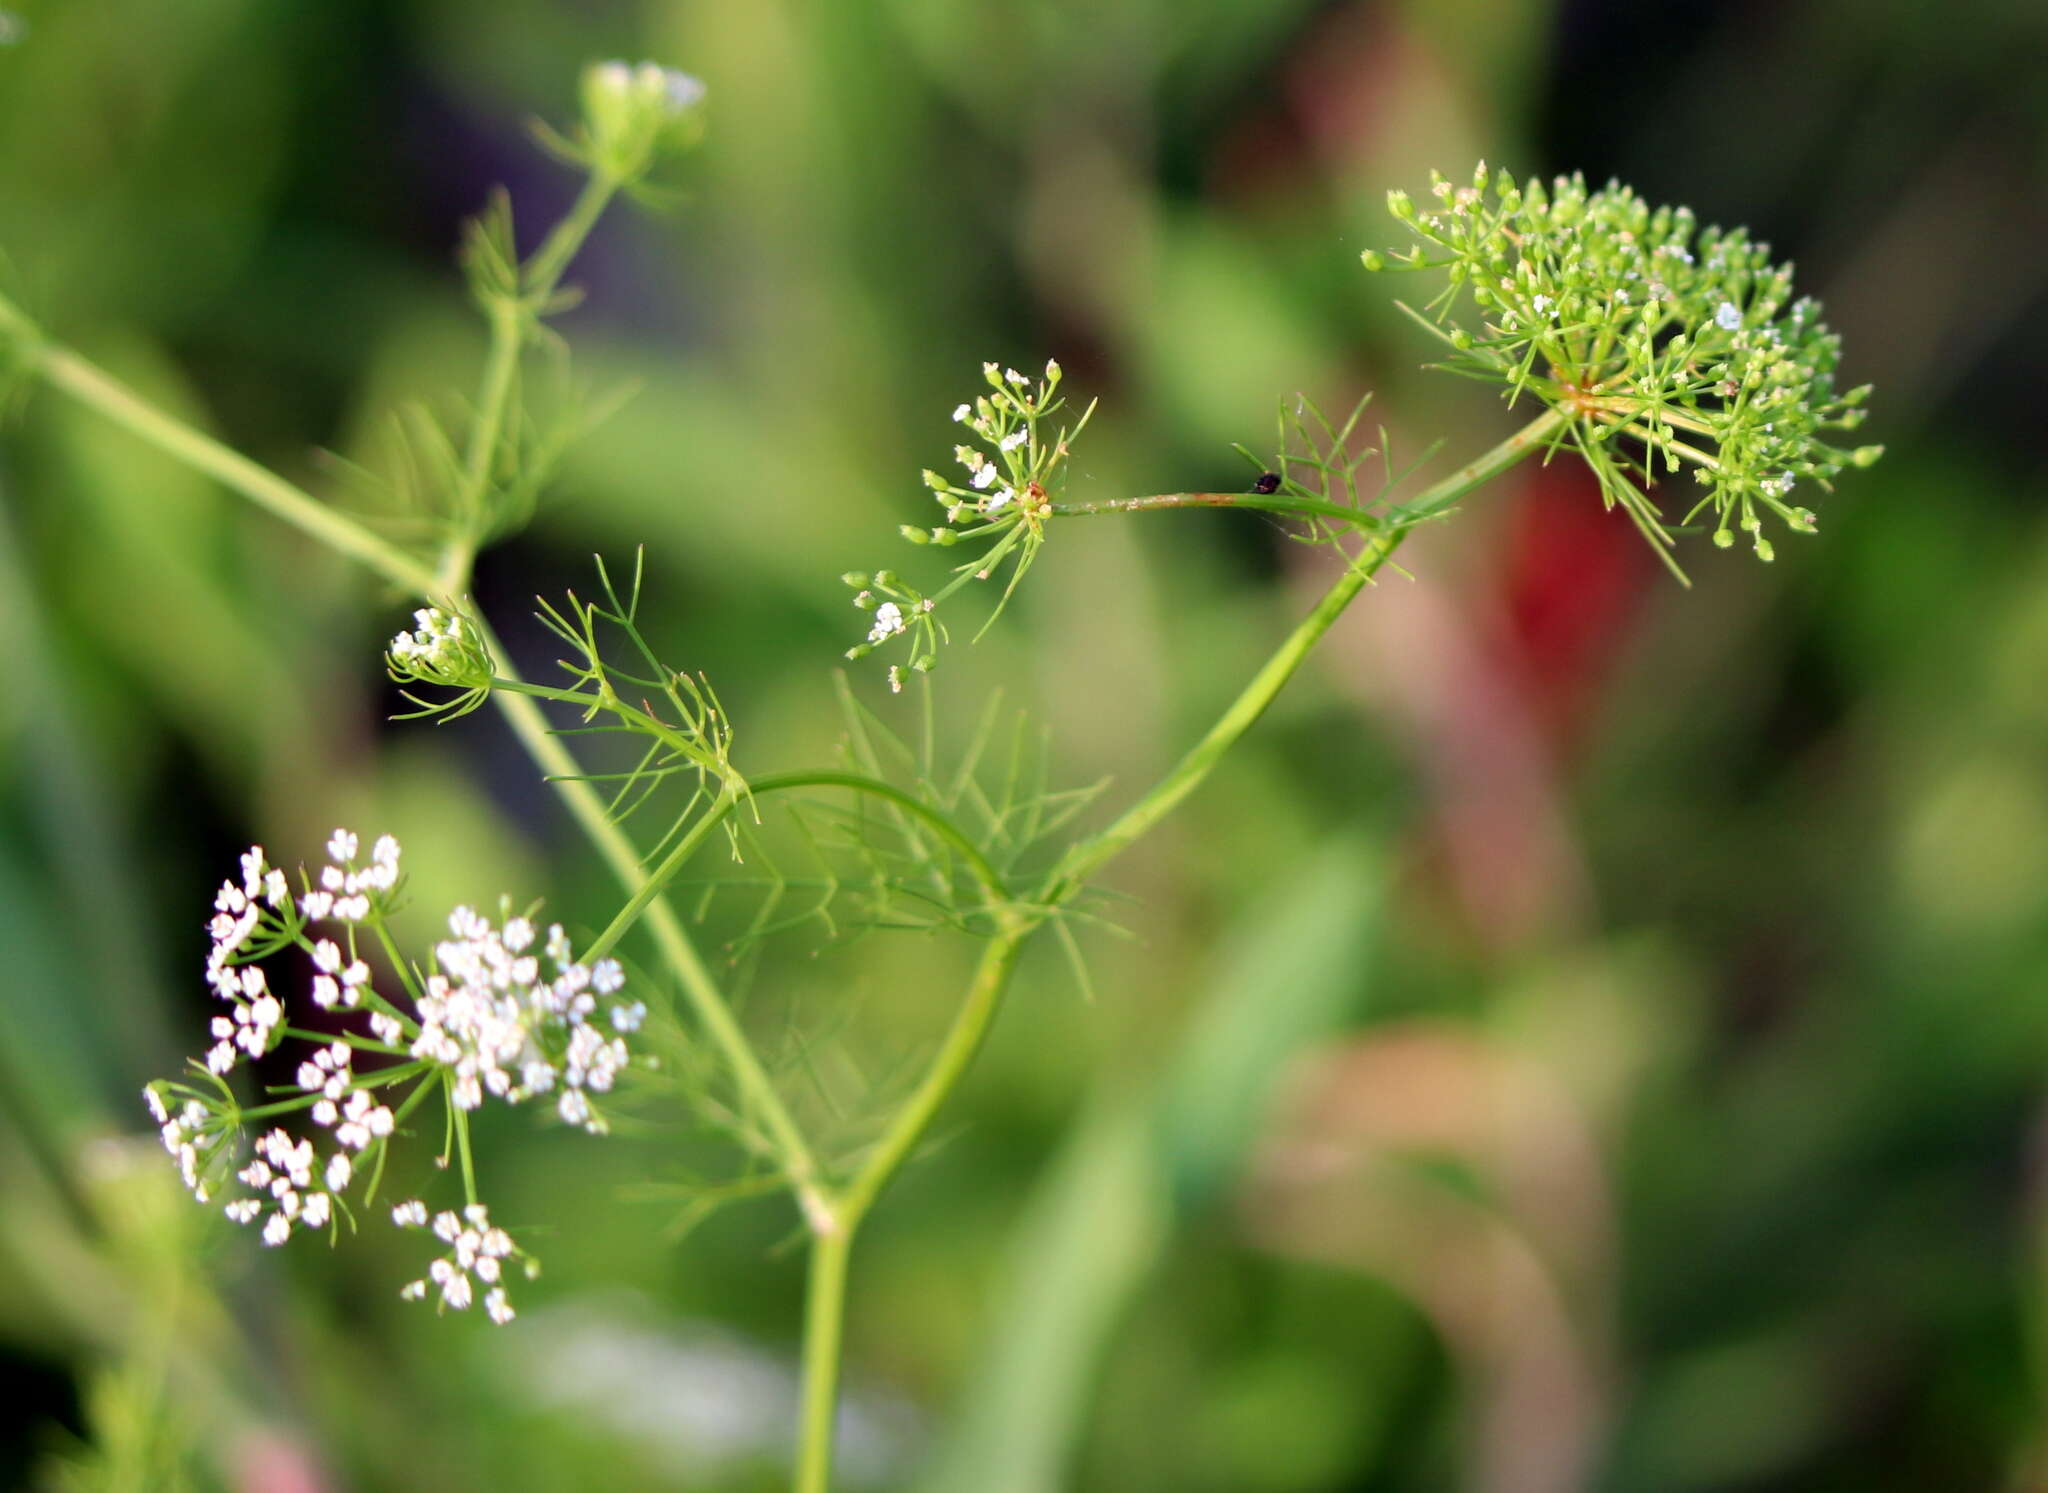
point(1014, 439)
point(963, 413)
point(888, 622)
point(1728, 318)
point(277, 1229)
point(341, 845)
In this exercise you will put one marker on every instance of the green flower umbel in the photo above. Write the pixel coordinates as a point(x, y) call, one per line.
point(1664, 344)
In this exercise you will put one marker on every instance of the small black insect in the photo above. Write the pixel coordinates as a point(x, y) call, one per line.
point(1268, 482)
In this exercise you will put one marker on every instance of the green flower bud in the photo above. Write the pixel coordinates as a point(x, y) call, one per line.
point(632, 113)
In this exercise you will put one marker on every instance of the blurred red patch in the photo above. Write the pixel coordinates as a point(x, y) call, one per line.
point(1572, 575)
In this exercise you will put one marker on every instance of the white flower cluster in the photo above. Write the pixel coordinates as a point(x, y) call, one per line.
point(288, 1183)
point(183, 1134)
point(489, 1014)
point(677, 91)
point(353, 1113)
point(444, 650)
point(282, 1179)
point(238, 913)
point(442, 645)
point(631, 113)
point(476, 1255)
point(1005, 506)
point(888, 621)
point(499, 1011)
point(1008, 419)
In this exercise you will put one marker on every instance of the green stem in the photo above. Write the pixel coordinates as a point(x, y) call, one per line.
point(1089, 855)
point(512, 319)
point(508, 320)
point(460, 1120)
point(824, 1316)
point(833, 1235)
point(544, 271)
point(670, 937)
point(100, 391)
point(1259, 502)
point(962, 1041)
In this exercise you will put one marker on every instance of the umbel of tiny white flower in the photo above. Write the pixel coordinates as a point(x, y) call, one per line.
point(477, 1251)
point(1013, 461)
point(445, 650)
point(634, 111)
point(1663, 344)
point(503, 1011)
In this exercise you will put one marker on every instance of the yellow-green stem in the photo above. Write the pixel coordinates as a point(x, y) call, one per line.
point(824, 1319)
point(91, 386)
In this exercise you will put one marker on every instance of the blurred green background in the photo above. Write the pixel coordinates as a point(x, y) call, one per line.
point(1592, 1035)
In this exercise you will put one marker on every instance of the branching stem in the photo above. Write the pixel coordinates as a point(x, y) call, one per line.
point(833, 1234)
point(833, 1214)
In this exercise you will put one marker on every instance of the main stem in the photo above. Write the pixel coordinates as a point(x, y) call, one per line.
point(833, 1232)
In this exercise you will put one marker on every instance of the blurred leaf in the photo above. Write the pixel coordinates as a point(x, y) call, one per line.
point(1098, 1219)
